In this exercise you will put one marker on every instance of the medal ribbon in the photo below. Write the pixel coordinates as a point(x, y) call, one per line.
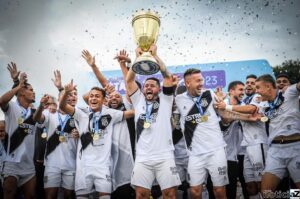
point(272, 105)
point(148, 112)
point(24, 112)
point(62, 123)
point(96, 122)
point(198, 104)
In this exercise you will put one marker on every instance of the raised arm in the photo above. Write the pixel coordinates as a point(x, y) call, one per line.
point(63, 102)
point(91, 61)
point(130, 78)
point(123, 58)
point(168, 80)
point(6, 97)
point(14, 73)
point(38, 115)
point(57, 81)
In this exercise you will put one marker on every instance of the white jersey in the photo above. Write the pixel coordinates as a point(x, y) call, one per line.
point(207, 135)
point(285, 118)
point(64, 155)
point(180, 146)
point(155, 142)
point(254, 132)
point(2, 155)
point(232, 136)
point(20, 160)
point(98, 152)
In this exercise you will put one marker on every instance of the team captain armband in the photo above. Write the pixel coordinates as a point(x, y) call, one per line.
point(168, 90)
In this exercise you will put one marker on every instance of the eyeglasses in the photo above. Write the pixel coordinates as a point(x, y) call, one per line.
point(282, 81)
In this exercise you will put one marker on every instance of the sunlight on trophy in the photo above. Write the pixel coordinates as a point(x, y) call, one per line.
point(146, 26)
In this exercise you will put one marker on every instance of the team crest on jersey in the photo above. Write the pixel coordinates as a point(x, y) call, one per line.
point(274, 113)
point(204, 102)
point(155, 105)
point(104, 121)
point(72, 122)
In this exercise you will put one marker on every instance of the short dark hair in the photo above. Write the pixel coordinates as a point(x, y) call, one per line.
point(267, 78)
point(191, 71)
point(282, 75)
point(232, 85)
point(251, 76)
point(99, 89)
point(154, 79)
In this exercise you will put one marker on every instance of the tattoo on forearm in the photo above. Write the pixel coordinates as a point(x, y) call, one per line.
point(165, 73)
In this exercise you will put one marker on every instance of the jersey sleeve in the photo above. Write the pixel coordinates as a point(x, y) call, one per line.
point(135, 97)
point(117, 116)
point(292, 91)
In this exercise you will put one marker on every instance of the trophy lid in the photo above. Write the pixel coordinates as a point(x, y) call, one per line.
point(146, 14)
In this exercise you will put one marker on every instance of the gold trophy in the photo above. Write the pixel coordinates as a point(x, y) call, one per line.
point(146, 26)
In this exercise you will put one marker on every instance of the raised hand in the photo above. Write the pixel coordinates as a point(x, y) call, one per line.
point(138, 51)
point(109, 89)
point(175, 80)
point(153, 49)
point(88, 57)
point(70, 87)
point(220, 94)
point(14, 73)
point(23, 80)
point(44, 100)
point(57, 80)
point(123, 57)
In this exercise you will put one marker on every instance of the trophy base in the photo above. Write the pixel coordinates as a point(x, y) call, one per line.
point(145, 65)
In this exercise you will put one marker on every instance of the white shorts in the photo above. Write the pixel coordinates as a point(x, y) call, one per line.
point(214, 162)
point(56, 177)
point(181, 164)
point(283, 157)
point(164, 171)
point(254, 162)
point(21, 179)
point(96, 179)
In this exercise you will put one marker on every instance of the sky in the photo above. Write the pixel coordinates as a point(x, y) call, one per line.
point(44, 35)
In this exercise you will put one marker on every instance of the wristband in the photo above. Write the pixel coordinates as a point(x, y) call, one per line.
point(60, 89)
point(228, 107)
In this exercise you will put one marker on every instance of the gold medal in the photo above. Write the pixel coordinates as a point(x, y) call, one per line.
point(44, 135)
point(193, 121)
point(147, 125)
point(61, 138)
point(20, 120)
point(264, 119)
point(204, 118)
point(96, 137)
point(26, 130)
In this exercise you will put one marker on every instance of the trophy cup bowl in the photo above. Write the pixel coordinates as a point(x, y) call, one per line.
point(146, 26)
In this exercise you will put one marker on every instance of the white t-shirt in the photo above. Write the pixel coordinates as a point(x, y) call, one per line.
point(232, 137)
point(155, 142)
point(97, 153)
point(64, 155)
point(207, 136)
point(180, 146)
point(20, 161)
point(254, 132)
point(2, 156)
point(285, 120)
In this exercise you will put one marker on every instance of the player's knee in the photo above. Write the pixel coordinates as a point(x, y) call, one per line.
point(9, 187)
point(196, 192)
point(252, 188)
point(140, 194)
point(169, 193)
point(220, 192)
